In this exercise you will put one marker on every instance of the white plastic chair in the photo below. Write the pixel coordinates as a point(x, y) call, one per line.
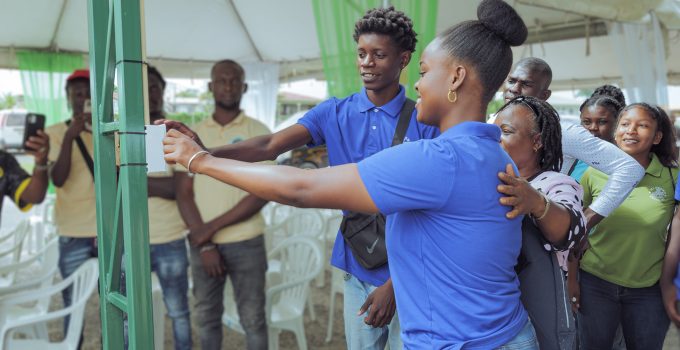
point(300, 223)
point(17, 311)
point(158, 313)
point(11, 248)
point(300, 261)
point(34, 271)
point(337, 287)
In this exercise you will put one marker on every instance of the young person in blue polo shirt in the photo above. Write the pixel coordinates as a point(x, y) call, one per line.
point(444, 215)
point(354, 128)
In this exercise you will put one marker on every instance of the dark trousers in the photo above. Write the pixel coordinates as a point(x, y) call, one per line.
point(604, 305)
point(246, 265)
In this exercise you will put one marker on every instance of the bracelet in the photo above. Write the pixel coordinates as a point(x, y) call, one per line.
point(545, 211)
point(42, 167)
point(192, 159)
point(207, 247)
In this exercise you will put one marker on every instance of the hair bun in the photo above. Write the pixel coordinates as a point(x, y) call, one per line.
point(503, 20)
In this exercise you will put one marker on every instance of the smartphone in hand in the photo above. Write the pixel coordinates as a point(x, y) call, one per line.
point(33, 123)
point(87, 110)
point(87, 107)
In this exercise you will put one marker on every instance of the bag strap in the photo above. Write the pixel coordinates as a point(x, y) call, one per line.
point(404, 121)
point(573, 166)
point(84, 152)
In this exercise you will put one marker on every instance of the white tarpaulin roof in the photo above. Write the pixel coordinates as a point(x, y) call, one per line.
point(184, 37)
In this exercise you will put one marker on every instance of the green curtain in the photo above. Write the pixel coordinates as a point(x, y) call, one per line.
point(43, 77)
point(335, 26)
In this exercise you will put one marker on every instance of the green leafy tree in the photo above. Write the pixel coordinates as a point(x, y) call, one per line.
point(494, 106)
point(8, 101)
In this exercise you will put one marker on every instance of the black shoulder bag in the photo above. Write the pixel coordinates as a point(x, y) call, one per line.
point(84, 152)
point(365, 233)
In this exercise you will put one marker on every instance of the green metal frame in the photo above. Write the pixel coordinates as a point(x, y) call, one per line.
point(122, 213)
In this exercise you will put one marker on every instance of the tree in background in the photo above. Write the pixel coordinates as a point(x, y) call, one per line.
point(8, 101)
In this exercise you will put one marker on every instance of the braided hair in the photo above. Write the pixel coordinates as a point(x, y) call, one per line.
point(547, 124)
point(390, 22)
point(611, 91)
point(608, 97)
point(666, 150)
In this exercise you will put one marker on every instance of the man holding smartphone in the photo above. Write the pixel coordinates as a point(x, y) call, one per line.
point(15, 182)
point(73, 175)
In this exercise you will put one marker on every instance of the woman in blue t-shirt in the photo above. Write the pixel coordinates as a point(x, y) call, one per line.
point(444, 216)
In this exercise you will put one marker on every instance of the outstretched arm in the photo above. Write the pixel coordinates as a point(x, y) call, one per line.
point(256, 149)
point(624, 172)
point(337, 187)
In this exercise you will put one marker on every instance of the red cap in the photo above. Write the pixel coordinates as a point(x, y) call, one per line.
point(79, 74)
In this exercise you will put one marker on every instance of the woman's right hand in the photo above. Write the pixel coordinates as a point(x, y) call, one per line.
point(181, 127)
point(518, 194)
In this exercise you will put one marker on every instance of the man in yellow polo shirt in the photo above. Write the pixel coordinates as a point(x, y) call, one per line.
point(71, 150)
point(225, 223)
point(166, 233)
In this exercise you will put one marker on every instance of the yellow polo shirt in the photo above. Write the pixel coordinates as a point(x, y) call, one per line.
point(75, 207)
point(213, 197)
point(165, 223)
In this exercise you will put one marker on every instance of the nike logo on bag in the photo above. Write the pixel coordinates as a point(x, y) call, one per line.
point(372, 248)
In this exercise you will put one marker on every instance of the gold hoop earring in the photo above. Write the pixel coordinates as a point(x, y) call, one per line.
point(452, 99)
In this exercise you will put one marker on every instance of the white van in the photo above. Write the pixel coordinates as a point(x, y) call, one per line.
point(12, 123)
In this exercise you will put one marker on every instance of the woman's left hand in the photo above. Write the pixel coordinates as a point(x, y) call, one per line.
point(179, 148)
point(519, 194)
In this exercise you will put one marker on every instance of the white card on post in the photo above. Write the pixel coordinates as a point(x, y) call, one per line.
point(155, 162)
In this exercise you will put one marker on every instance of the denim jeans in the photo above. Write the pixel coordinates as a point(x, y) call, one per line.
point(358, 334)
point(170, 262)
point(604, 305)
point(73, 252)
point(246, 265)
point(525, 340)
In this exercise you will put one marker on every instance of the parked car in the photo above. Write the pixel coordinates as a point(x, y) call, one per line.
point(308, 158)
point(12, 123)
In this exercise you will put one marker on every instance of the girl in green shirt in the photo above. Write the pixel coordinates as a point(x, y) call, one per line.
point(620, 272)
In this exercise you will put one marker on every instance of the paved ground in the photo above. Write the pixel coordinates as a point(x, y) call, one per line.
point(315, 330)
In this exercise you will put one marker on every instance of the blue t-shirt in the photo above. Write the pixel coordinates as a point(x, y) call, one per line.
point(579, 168)
point(452, 251)
point(353, 128)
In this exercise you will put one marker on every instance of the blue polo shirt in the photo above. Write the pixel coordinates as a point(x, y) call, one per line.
point(452, 251)
point(354, 128)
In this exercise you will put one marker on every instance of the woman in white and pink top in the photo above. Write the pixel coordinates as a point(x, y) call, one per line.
point(531, 134)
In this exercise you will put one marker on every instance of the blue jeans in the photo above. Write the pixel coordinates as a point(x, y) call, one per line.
point(525, 340)
point(358, 334)
point(73, 252)
point(170, 262)
point(604, 305)
point(246, 265)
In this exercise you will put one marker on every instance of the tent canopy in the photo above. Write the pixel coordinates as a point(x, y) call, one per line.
point(183, 38)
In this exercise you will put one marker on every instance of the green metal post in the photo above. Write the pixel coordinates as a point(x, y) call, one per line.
point(122, 216)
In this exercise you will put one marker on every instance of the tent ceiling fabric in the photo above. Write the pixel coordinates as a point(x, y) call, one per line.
point(185, 37)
